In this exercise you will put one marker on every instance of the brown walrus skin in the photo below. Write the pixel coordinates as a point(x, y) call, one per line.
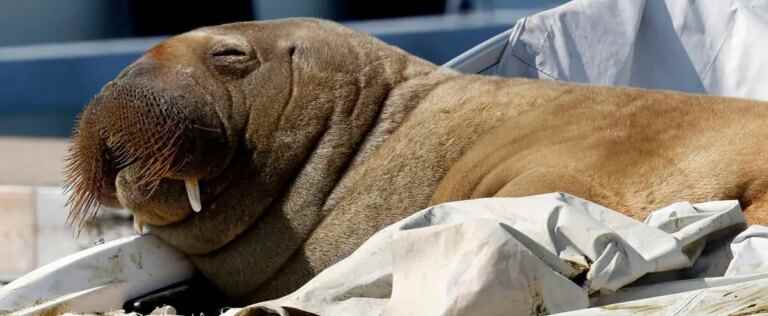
point(308, 137)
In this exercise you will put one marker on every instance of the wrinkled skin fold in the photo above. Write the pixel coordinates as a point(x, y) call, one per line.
point(298, 139)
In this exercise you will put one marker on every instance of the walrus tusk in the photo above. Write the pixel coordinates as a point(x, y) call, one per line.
point(138, 225)
point(193, 193)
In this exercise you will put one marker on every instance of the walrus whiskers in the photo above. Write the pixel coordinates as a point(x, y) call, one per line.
point(150, 138)
point(85, 166)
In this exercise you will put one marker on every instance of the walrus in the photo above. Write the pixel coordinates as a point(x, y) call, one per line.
point(267, 151)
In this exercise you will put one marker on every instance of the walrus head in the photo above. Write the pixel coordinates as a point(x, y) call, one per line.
point(236, 130)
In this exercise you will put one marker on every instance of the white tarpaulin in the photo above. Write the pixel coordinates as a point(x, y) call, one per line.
point(711, 47)
point(515, 256)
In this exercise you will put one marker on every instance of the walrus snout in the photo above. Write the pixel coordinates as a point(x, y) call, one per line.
point(160, 125)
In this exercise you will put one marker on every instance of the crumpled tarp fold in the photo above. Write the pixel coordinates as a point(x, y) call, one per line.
point(532, 255)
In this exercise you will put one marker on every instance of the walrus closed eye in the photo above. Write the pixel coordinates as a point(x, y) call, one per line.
point(269, 150)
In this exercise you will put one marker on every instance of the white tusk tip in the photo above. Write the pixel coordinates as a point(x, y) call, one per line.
point(193, 193)
point(138, 226)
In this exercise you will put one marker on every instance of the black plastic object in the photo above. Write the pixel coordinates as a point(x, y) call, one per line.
point(195, 296)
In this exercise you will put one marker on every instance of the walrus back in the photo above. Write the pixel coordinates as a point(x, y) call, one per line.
point(632, 150)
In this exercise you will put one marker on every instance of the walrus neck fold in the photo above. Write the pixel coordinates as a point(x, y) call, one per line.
point(354, 132)
point(418, 79)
